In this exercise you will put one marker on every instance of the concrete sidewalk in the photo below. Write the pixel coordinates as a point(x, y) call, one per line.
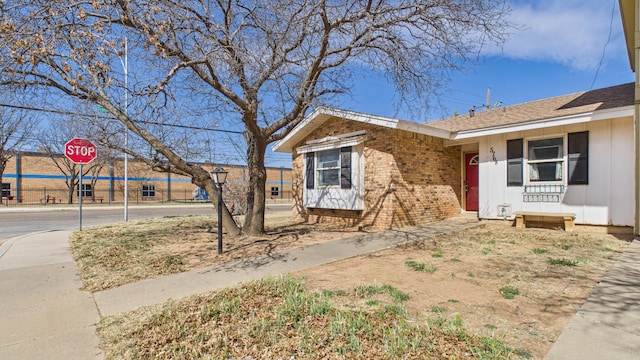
point(43, 314)
point(607, 325)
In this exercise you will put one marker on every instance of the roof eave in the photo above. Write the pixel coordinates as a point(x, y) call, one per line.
point(625, 111)
point(321, 114)
point(628, 15)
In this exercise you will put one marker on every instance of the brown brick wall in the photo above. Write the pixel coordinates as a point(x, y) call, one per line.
point(409, 179)
point(428, 180)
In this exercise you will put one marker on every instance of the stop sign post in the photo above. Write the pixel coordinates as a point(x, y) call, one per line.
point(80, 151)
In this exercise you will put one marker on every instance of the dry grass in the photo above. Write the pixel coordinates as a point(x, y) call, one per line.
point(403, 303)
point(277, 318)
point(118, 254)
point(498, 279)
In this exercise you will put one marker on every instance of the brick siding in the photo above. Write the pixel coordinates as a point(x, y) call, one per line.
point(409, 179)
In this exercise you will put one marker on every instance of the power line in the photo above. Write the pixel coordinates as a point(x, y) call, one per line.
point(70, 113)
point(604, 49)
point(275, 157)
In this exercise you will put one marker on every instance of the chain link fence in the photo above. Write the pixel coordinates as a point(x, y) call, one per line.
point(59, 196)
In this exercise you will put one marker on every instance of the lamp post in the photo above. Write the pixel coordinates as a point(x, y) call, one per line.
point(219, 177)
point(125, 68)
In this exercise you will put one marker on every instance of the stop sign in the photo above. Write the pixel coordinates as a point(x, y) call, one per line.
point(80, 151)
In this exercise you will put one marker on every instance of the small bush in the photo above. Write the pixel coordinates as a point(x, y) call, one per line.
point(332, 293)
point(396, 294)
point(563, 262)
point(509, 292)
point(416, 266)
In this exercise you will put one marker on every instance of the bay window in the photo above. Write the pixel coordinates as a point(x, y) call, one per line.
point(333, 172)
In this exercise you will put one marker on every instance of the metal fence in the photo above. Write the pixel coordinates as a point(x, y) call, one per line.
point(60, 196)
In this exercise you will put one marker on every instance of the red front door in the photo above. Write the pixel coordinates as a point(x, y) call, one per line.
point(471, 181)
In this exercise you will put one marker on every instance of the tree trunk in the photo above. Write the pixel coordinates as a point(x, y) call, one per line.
point(254, 220)
point(70, 189)
point(71, 185)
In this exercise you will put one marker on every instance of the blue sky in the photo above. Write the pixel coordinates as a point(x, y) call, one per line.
point(557, 51)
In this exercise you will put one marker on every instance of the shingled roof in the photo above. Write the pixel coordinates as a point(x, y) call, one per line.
point(566, 105)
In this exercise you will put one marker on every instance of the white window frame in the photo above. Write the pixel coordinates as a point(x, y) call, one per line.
point(318, 174)
point(562, 160)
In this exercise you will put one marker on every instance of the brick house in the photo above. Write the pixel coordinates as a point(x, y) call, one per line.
point(571, 153)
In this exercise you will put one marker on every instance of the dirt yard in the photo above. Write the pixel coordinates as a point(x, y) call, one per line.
point(520, 285)
point(553, 273)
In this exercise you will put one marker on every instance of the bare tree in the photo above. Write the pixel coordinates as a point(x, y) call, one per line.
point(15, 128)
point(260, 65)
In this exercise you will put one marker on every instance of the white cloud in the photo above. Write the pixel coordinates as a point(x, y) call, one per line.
point(569, 32)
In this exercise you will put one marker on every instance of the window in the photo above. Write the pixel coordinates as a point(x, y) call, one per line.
point(6, 189)
point(545, 160)
point(578, 153)
point(87, 190)
point(148, 190)
point(328, 167)
point(275, 191)
point(333, 172)
point(514, 162)
point(332, 168)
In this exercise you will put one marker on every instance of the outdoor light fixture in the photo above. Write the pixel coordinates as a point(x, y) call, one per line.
point(219, 177)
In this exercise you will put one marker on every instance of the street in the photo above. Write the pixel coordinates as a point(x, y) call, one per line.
point(16, 222)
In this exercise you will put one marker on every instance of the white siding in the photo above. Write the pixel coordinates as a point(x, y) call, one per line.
point(622, 164)
point(606, 200)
